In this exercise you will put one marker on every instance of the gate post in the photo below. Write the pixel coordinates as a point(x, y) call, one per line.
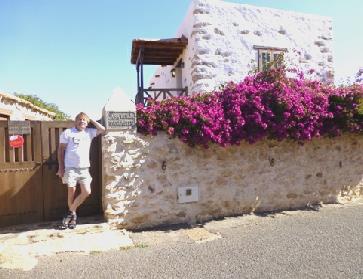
point(119, 117)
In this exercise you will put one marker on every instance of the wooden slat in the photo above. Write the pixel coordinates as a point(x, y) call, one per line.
point(58, 131)
point(36, 142)
point(28, 148)
point(11, 155)
point(161, 52)
point(20, 154)
point(45, 142)
point(2, 144)
point(17, 165)
point(166, 57)
point(53, 144)
point(7, 147)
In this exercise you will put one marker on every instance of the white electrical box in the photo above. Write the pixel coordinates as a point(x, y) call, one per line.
point(188, 194)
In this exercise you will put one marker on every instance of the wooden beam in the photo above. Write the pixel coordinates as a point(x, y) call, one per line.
point(158, 49)
point(270, 48)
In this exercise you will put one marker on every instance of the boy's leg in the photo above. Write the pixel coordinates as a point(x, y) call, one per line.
point(71, 194)
point(69, 179)
point(85, 192)
point(84, 179)
point(70, 214)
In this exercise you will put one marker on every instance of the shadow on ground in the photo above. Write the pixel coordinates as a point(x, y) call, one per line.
point(90, 220)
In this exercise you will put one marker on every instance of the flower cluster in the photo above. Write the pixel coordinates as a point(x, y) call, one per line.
point(266, 105)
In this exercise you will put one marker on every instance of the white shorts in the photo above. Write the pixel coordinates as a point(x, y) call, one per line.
point(73, 175)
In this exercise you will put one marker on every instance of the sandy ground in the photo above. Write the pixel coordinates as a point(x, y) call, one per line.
point(20, 246)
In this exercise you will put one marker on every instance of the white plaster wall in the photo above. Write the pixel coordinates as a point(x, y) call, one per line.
point(20, 112)
point(221, 37)
point(138, 192)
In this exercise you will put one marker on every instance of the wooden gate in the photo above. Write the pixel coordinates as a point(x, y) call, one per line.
point(30, 191)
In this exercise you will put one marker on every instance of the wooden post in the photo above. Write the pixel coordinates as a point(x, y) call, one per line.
point(140, 77)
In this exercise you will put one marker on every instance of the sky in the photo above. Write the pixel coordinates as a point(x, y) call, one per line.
point(76, 53)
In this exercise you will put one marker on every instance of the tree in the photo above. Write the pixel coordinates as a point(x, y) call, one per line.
point(35, 100)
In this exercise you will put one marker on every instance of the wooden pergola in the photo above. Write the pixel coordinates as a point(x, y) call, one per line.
point(155, 52)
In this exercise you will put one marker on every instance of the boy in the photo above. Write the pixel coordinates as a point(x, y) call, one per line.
point(73, 159)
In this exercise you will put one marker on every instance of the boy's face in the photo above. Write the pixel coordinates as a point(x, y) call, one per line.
point(81, 123)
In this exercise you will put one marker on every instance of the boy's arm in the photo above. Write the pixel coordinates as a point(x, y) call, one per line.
point(100, 128)
point(61, 152)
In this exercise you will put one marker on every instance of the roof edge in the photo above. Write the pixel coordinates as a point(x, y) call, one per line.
point(27, 104)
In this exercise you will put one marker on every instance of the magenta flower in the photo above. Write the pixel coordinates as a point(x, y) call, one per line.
point(266, 105)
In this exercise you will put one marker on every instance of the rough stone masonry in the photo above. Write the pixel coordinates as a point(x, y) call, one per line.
point(143, 174)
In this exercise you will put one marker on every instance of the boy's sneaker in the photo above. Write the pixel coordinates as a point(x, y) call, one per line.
point(66, 220)
point(73, 222)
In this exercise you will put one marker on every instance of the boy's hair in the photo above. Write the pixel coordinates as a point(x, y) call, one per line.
point(82, 114)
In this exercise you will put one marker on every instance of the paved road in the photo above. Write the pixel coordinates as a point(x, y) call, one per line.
point(299, 244)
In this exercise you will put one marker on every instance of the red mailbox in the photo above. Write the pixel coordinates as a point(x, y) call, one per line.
point(16, 141)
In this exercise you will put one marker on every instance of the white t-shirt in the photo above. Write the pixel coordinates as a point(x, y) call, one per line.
point(78, 146)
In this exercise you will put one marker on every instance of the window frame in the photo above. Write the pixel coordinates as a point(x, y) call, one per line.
point(271, 52)
point(5, 114)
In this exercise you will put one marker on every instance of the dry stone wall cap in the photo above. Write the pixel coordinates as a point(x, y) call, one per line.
point(119, 101)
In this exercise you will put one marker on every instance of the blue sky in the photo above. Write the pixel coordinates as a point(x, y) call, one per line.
point(75, 53)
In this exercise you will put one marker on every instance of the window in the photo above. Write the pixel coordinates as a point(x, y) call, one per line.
point(5, 114)
point(4, 117)
point(269, 57)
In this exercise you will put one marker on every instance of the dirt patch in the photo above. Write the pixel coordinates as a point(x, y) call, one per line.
point(21, 250)
point(200, 235)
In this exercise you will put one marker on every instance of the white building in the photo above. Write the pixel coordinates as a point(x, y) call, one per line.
point(14, 108)
point(226, 41)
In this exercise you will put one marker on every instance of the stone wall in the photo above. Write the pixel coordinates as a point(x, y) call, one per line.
point(142, 175)
point(221, 38)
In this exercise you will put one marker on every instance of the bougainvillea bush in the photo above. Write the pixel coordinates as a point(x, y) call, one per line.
point(267, 105)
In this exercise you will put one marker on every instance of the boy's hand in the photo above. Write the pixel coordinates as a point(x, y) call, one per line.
point(100, 128)
point(60, 172)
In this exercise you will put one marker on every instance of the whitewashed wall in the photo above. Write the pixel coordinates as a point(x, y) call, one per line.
point(18, 109)
point(142, 175)
point(221, 37)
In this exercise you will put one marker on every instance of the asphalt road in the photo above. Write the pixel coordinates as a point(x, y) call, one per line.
point(327, 243)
